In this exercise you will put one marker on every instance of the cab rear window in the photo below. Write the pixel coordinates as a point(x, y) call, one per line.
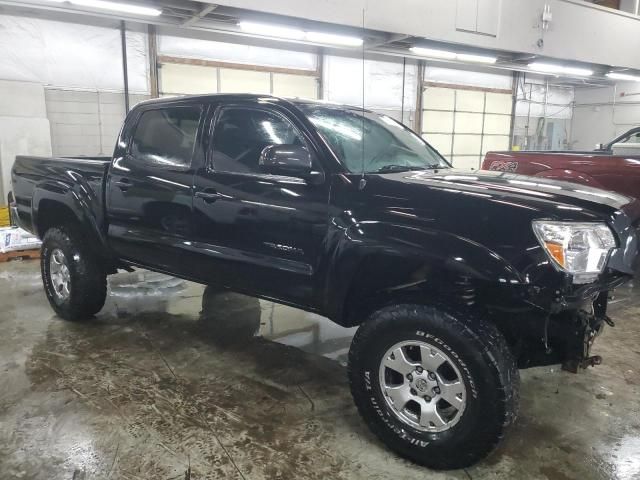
point(166, 136)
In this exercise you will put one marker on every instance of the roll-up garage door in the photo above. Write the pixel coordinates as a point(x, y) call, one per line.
point(464, 123)
point(209, 77)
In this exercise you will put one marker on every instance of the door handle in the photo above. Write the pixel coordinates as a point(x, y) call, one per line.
point(124, 184)
point(208, 196)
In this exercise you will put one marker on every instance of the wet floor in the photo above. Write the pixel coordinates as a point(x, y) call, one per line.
point(172, 381)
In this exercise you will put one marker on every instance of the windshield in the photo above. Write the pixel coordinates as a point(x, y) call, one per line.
point(388, 146)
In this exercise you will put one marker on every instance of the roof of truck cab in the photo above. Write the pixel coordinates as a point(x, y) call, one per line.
point(231, 97)
point(210, 96)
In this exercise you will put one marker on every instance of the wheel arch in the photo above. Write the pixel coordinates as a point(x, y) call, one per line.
point(367, 274)
point(55, 205)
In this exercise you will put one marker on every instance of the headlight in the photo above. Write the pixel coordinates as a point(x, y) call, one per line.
point(577, 248)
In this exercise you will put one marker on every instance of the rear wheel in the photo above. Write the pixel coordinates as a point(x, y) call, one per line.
point(438, 387)
point(74, 279)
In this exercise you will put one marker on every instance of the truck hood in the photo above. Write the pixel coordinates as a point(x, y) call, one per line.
point(473, 204)
point(520, 188)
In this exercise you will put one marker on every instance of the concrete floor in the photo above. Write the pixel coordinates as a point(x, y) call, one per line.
point(156, 387)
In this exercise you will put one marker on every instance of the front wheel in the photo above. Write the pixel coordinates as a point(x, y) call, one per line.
point(73, 277)
point(437, 387)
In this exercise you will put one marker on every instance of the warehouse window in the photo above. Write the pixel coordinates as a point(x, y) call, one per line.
point(166, 137)
point(203, 77)
point(463, 124)
point(543, 116)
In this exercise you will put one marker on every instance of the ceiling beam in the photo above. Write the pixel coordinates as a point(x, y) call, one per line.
point(380, 42)
point(199, 16)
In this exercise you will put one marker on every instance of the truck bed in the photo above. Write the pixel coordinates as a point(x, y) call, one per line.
point(85, 175)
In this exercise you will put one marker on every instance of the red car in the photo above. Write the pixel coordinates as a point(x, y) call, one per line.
point(613, 166)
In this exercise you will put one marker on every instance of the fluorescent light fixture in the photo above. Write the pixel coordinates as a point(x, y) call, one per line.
point(466, 57)
point(288, 33)
point(624, 76)
point(430, 52)
point(272, 30)
point(551, 69)
point(446, 55)
point(332, 39)
point(117, 7)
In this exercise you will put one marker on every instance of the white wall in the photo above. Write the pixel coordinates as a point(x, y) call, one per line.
point(343, 83)
point(24, 128)
point(64, 54)
point(630, 6)
point(600, 114)
point(579, 30)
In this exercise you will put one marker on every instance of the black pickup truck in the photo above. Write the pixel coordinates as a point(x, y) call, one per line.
point(455, 278)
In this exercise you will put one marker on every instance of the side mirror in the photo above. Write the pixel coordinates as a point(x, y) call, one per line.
point(599, 146)
point(291, 160)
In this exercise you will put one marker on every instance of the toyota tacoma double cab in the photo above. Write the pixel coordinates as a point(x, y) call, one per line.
point(455, 278)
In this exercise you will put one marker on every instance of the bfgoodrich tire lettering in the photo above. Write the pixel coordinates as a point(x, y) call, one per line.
point(86, 289)
point(480, 355)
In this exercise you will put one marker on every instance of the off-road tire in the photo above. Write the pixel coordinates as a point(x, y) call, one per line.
point(481, 354)
point(88, 288)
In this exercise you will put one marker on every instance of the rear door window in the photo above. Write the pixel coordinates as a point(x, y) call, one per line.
point(166, 137)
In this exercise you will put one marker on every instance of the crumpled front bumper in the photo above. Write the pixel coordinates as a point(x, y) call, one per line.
point(565, 337)
point(587, 327)
point(557, 320)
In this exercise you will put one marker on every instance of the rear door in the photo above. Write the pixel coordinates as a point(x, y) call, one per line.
point(149, 199)
point(259, 232)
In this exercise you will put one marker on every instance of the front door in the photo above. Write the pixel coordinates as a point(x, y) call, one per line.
point(258, 232)
point(150, 188)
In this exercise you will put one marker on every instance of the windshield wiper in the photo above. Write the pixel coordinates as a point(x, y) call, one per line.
point(399, 168)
